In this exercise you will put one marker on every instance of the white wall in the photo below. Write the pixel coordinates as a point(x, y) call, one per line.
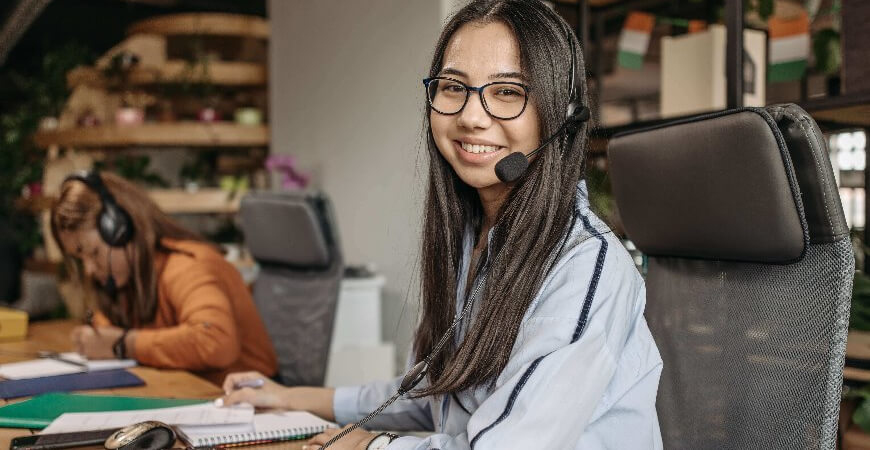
point(346, 99)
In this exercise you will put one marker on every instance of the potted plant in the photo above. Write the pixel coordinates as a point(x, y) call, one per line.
point(28, 100)
point(199, 171)
point(132, 111)
point(133, 168)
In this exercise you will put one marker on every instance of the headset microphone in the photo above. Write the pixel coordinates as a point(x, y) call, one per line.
point(513, 166)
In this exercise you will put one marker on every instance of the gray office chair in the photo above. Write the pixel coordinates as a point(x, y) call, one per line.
point(749, 279)
point(293, 239)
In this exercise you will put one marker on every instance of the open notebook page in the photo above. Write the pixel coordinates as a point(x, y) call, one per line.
point(46, 367)
point(202, 414)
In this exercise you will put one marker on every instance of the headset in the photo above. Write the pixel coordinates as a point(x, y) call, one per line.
point(507, 169)
point(513, 166)
point(114, 222)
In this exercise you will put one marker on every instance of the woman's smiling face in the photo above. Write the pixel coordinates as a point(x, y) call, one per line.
point(472, 141)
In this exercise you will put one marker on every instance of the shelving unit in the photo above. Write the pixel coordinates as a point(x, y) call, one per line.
point(183, 63)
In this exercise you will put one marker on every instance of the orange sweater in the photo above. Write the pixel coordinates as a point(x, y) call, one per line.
point(206, 320)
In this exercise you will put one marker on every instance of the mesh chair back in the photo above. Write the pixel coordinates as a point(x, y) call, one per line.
point(750, 275)
point(293, 239)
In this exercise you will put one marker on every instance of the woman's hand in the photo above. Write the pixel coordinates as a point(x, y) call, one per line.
point(95, 343)
point(270, 395)
point(357, 439)
point(317, 401)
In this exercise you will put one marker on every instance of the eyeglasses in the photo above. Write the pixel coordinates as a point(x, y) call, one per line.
point(503, 100)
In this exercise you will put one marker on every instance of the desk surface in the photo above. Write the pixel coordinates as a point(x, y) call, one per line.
point(54, 335)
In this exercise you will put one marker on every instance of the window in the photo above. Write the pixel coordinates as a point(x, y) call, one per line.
point(849, 158)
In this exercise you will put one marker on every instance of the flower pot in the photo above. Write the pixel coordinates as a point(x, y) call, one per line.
point(127, 116)
point(165, 112)
point(48, 123)
point(208, 115)
point(248, 116)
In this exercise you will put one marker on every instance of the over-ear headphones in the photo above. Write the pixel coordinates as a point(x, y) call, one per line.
point(513, 166)
point(114, 222)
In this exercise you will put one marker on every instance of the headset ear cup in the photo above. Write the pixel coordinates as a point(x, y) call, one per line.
point(577, 114)
point(116, 226)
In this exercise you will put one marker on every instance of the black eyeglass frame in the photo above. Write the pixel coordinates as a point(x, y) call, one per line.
point(479, 90)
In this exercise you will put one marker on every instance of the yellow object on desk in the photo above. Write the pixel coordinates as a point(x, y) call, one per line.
point(13, 324)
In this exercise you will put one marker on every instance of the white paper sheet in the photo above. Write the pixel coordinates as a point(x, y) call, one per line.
point(203, 414)
point(46, 367)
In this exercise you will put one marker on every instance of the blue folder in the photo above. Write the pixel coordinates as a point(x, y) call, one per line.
point(99, 379)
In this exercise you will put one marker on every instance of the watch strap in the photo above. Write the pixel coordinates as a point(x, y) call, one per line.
point(119, 348)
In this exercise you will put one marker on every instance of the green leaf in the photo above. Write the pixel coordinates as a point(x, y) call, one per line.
point(861, 416)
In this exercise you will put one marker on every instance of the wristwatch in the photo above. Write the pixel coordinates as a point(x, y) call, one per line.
point(381, 441)
point(119, 348)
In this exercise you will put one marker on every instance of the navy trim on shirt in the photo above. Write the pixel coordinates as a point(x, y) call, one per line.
point(581, 325)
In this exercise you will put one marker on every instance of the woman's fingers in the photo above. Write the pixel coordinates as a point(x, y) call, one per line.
point(319, 440)
point(232, 379)
point(244, 395)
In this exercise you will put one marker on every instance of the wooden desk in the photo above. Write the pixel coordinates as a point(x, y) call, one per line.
point(54, 335)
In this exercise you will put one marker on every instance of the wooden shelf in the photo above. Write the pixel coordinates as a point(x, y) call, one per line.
point(858, 350)
point(848, 110)
point(171, 201)
point(34, 204)
point(178, 134)
point(217, 24)
point(856, 439)
point(203, 201)
point(218, 72)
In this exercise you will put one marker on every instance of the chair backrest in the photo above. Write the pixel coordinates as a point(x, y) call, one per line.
point(749, 279)
point(293, 238)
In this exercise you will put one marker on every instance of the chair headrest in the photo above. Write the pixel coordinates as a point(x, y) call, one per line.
point(291, 229)
point(718, 186)
point(812, 165)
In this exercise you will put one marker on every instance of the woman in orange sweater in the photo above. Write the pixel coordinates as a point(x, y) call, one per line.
point(166, 298)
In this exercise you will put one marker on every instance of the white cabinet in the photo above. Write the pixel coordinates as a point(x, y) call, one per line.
point(357, 353)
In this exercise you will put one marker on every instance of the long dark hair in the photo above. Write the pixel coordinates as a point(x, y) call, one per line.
point(77, 208)
point(533, 221)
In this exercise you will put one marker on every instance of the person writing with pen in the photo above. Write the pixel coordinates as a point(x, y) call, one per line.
point(165, 297)
point(531, 332)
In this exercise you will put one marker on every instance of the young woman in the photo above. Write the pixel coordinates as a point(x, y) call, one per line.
point(166, 298)
point(555, 352)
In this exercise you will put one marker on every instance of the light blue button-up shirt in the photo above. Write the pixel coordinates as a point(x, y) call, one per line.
point(583, 373)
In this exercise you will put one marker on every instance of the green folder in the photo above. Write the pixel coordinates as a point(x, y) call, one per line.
point(41, 410)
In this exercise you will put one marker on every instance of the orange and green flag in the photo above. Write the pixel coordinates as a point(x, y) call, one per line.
point(789, 47)
point(634, 39)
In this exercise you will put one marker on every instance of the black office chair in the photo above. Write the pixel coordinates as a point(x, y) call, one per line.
point(750, 275)
point(293, 239)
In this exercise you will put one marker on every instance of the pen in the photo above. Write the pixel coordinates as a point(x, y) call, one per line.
point(57, 357)
point(254, 384)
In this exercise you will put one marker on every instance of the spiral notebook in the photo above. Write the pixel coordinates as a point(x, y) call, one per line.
point(267, 427)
